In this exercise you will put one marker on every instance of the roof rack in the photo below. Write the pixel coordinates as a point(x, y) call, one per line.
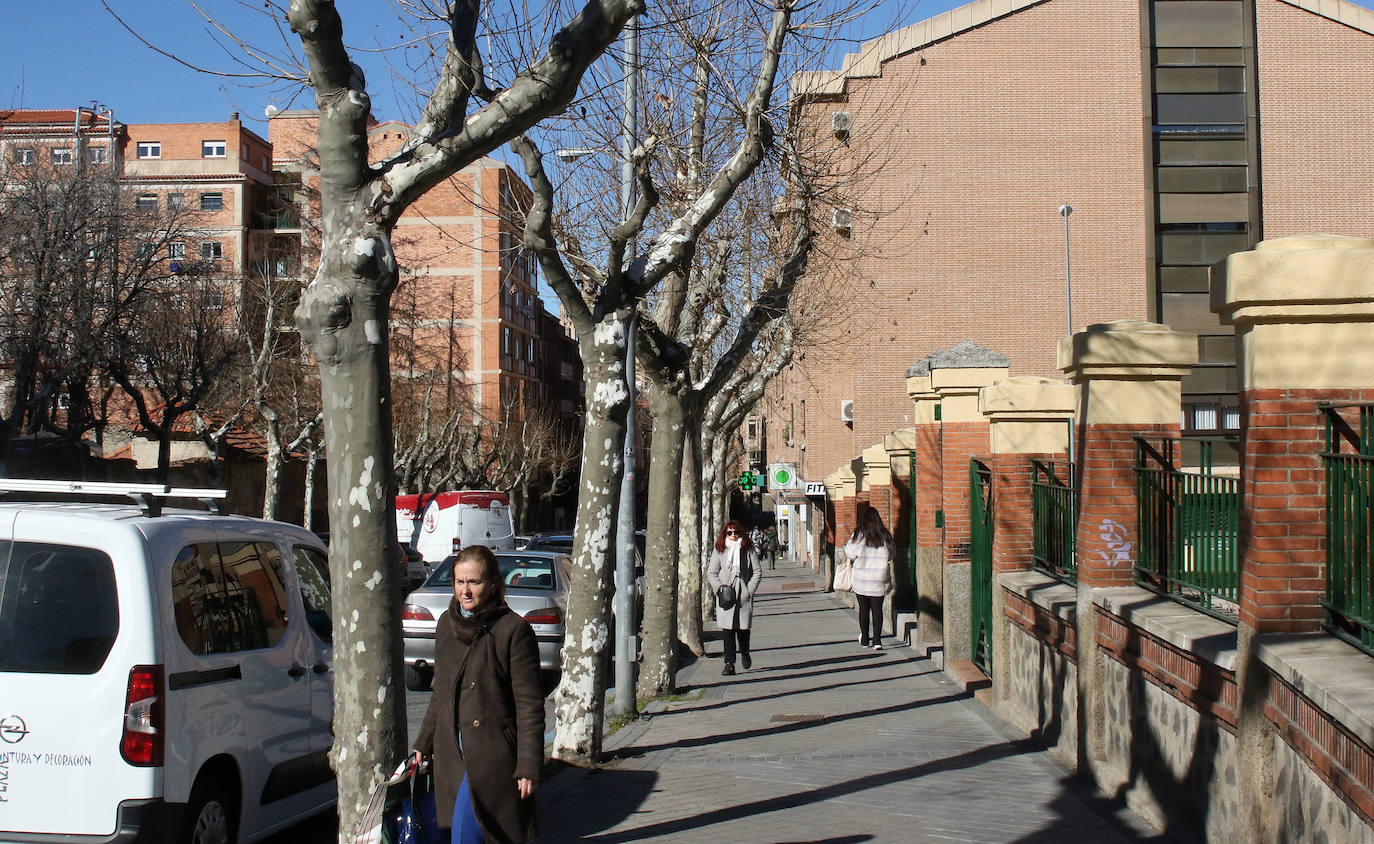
point(149, 497)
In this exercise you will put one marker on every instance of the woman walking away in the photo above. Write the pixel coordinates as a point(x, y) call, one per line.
point(871, 549)
point(484, 727)
point(733, 564)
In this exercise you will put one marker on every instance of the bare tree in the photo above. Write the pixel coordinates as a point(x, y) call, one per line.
point(169, 352)
point(344, 315)
point(78, 257)
point(598, 298)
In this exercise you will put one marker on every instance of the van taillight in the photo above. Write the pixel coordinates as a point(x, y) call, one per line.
point(547, 615)
point(415, 612)
point(143, 717)
point(457, 545)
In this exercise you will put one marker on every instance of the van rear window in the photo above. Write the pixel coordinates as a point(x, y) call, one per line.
point(59, 612)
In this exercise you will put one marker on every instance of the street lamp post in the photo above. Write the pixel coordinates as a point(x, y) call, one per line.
point(1064, 211)
point(625, 522)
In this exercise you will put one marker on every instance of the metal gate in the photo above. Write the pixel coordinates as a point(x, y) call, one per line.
point(980, 575)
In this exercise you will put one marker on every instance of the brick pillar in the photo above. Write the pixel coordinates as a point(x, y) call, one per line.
point(927, 488)
point(956, 375)
point(1127, 377)
point(1027, 417)
point(1303, 311)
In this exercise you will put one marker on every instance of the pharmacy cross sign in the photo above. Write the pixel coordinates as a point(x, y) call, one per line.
point(748, 480)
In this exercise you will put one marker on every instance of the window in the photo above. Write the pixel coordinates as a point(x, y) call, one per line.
point(61, 155)
point(212, 202)
point(176, 201)
point(149, 149)
point(146, 202)
point(212, 149)
point(97, 155)
point(176, 250)
point(312, 570)
point(211, 250)
point(23, 156)
point(229, 596)
point(59, 613)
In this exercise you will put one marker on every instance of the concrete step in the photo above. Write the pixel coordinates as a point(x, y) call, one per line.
point(968, 676)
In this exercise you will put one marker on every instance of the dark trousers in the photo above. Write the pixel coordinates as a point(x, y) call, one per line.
point(870, 608)
point(731, 637)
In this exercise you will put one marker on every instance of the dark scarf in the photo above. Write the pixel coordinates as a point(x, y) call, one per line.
point(466, 630)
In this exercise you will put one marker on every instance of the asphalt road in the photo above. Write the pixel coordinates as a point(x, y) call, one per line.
point(324, 829)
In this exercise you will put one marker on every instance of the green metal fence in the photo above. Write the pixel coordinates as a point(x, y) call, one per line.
point(1053, 504)
point(1189, 523)
point(980, 553)
point(1349, 459)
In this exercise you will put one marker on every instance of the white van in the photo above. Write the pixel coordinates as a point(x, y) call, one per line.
point(438, 524)
point(164, 674)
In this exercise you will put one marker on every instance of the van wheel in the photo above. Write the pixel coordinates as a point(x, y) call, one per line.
point(417, 680)
point(211, 814)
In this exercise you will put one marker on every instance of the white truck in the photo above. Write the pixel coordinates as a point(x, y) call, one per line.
point(438, 524)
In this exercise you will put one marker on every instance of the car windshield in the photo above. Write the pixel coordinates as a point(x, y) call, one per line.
point(518, 570)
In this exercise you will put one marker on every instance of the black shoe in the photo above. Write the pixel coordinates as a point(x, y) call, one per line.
point(728, 670)
point(863, 641)
point(748, 663)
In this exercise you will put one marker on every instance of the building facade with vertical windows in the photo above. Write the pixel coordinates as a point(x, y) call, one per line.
point(1177, 132)
point(467, 303)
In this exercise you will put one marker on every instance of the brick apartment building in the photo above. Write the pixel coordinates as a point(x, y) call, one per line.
point(467, 307)
point(467, 303)
point(1179, 131)
point(220, 173)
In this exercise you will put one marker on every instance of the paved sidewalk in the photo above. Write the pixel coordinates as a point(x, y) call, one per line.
point(828, 743)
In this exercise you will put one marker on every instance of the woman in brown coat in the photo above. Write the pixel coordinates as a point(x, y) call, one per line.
point(485, 725)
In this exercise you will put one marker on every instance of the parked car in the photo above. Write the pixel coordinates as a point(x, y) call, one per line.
point(550, 541)
point(418, 569)
point(163, 672)
point(536, 588)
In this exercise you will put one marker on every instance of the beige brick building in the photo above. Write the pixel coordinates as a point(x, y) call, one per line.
point(1178, 130)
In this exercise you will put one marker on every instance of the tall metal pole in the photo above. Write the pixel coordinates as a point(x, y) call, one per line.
point(1065, 210)
point(625, 626)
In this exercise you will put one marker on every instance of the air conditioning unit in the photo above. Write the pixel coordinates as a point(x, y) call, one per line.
point(839, 219)
point(839, 124)
point(847, 411)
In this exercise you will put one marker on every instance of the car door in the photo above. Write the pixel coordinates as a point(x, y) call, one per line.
point(312, 574)
point(275, 660)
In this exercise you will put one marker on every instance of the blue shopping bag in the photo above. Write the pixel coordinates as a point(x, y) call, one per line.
point(414, 819)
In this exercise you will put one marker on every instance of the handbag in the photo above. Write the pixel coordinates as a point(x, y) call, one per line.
point(401, 810)
point(844, 576)
point(726, 597)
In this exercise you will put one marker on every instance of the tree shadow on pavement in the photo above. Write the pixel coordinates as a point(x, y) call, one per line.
point(584, 824)
point(1077, 792)
point(712, 738)
point(790, 692)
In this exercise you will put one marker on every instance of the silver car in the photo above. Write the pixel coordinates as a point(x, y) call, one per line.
point(536, 588)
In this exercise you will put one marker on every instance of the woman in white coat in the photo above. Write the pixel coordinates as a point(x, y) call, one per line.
point(733, 562)
point(871, 549)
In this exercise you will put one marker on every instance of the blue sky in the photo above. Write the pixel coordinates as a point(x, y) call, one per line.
point(89, 56)
point(85, 54)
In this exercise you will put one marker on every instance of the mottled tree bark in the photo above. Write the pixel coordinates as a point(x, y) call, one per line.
point(658, 666)
point(344, 316)
point(580, 698)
